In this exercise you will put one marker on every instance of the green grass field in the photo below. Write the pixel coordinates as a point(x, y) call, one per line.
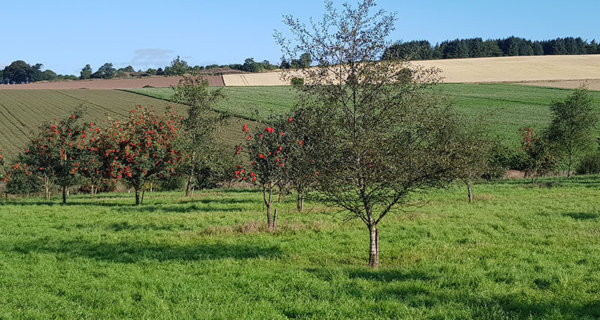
point(517, 252)
point(503, 108)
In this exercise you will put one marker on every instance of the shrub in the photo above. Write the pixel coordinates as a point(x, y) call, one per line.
point(589, 164)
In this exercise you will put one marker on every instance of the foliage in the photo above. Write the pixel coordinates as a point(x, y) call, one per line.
point(215, 168)
point(178, 67)
point(477, 47)
point(573, 130)
point(540, 160)
point(106, 71)
point(267, 152)
point(86, 72)
point(20, 71)
point(377, 134)
point(197, 139)
point(476, 159)
point(143, 147)
point(20, 179)
point(94, 165)
point(589, 164)
point(54, 152)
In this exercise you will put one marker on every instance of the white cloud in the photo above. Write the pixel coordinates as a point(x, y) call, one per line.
point(152, 57)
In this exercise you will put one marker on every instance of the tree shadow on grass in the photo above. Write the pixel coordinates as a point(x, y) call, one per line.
point(69, 204)
point(223, 200)
point(178, 209)
point(520, 307)
point(389, 275)
point(582, 215)
point(424, 290)
point(135, 251)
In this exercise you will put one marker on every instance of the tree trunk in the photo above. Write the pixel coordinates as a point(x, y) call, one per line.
point(269, 218)
point(151, 189)
point(470, 192)
point(64, 194)
point(137, 197)
point(143, 194)
point(274, 224)
point(47, 188)
point(189, 183)
point(300, 202)
point(374, 247)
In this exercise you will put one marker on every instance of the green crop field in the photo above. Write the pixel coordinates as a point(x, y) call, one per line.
point(256, 103)
point(503, 108)
point(22, 111)
point(517, 252)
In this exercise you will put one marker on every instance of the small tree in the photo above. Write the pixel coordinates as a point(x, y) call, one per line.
point(379, 134)
point(573, 129)
point(21, 179)
point(93, 162)
point(540, 161)
point(54, 153)
point(199, 127)
point(300, 169)
point(476, 159)
point(266, 151)
point(143, 147)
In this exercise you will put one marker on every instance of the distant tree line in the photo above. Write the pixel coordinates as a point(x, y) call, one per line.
point(179, 67)
point(477, 47)
point(21, 72)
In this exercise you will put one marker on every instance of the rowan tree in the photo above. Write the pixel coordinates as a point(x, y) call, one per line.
point(573, 130)
point(267, 153)
point(54, 152)
point(142, 147)
point(20, 179)
point(197, 136)
point(380, 131)
point(93, 162)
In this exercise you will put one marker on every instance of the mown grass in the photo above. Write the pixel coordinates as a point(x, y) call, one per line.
point(501, 108)
point(517, 252)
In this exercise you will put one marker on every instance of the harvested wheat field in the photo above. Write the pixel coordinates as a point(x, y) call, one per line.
point(592, 84)
point(475, 70)
point(101, 84)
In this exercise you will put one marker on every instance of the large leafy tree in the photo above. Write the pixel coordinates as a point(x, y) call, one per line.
point(143, 147)
point(198, 128)
point(380, 131)
point(573, 129)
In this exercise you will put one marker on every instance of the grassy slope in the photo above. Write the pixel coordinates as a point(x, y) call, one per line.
point(21, 111)
point(517, 252)
point(504, 108)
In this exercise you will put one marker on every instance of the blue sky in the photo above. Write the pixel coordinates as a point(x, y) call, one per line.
point(64, 35)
